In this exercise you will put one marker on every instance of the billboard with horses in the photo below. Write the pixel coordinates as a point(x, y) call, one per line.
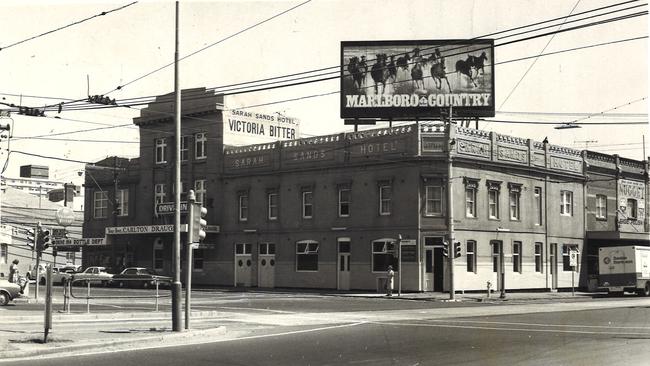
point(408, 79)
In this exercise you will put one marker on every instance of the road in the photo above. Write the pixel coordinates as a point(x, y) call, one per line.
point(308, 329)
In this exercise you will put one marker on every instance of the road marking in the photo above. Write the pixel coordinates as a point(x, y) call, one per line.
point(536, 324)
point(161, 344)
point(256, 309)
point(513, 329)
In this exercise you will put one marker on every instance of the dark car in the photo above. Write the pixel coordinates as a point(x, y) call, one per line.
point(139, 277)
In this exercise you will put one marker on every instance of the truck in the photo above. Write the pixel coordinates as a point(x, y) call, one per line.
point(624, 269)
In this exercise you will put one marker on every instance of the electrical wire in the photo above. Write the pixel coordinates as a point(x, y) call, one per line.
point(338, 66)
point(67, 26)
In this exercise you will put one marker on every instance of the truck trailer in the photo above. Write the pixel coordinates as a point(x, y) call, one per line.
point(624, 269)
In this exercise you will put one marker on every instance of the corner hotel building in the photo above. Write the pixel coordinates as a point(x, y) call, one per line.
point(321, 212)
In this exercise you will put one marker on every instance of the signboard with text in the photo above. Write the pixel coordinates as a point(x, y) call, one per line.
point(404, 79)
point(250, 126)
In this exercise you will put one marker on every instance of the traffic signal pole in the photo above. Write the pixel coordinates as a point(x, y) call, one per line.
point(176, 257)
point(450, 210)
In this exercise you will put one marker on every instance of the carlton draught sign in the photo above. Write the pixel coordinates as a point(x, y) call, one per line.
point(402, 79)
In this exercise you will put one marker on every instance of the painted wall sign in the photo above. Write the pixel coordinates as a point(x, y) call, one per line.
point(247, 126)
point(566, 164)
point(510, 154)
point(433, 144)
point(475, 148)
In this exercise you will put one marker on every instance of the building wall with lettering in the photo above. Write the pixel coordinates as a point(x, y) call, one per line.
point(631, 205)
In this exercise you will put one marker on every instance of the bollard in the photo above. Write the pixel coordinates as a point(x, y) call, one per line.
point(156, 295)
point(69, 292)
point(489, 286)
point(88, 298)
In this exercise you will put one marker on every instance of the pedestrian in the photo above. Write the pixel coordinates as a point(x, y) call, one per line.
point(389, 281)
point(13, 271)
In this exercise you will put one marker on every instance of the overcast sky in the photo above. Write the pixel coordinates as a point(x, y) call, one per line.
point(121, 46)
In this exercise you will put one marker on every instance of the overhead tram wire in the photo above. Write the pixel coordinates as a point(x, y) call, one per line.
point(339, 66)
point(625, 17)
point(207, 122)
point(67, 26)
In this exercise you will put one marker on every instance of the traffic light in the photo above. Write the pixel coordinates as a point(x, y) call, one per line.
point(198, 224)
point(31, 238)
point(445, 249)
point(457, 249)
point(45, 239)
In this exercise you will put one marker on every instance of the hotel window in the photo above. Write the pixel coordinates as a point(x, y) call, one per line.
point(200, 190)
point(471, 256)
point(307, 255)
point(160, 193)
point(601, 207)
point(200, 142)
point(158, 257)
point(631, 209)
point(185, 148)
point(243, 206)
point(471, 185)
point(433, 198)
point(198, 259)
point(566, 203)
point(123, 202)
point(494, 190)
point(183, 190)
point(538, 205)
point(307, 204)
point(385, 197)
point(273, 206)
point(516, 256)
point(243, 249)
point(161, 151)
point(538, 257)
point(344, 201)
point(383, 251)
point(4, 252)
point(267, 248)
point(515, 195)
point(100, 205)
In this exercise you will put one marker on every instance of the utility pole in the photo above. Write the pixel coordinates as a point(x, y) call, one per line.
point(177, 325)
point(450, 207)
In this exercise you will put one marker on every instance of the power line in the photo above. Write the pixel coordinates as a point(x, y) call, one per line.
point(211, 45)
point(67, 26)
point(143, 99)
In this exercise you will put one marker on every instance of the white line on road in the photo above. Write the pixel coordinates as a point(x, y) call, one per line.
point(536, 324)
point(512, 329)
point(256, 309)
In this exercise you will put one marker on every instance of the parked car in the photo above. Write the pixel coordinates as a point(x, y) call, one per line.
point(58, 275)
point(8, 291)
point(139, 277)
point(95, 275)
point(31, 272)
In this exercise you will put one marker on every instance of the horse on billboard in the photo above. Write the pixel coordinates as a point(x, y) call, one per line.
point(465, 67)
point(380, 73)
point(357, 72)
point(478, 62)
point(438, 72)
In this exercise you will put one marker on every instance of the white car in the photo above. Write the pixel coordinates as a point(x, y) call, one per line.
point(58, 275)
point(95, 275)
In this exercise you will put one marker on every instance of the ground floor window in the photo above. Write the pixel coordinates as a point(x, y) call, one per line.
point(307, 255)
point(383, 255)
point(566, 249)
point(471, 256)
point(243, 248)
point(538, 257)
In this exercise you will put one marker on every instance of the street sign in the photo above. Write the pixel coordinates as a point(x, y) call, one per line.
point(64, 216)
point(58, 233)
point(56, 243)
point(573, 258)
point(168, 208)
point(143, 229)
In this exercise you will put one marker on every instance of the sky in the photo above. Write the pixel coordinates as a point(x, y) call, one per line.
point(97, 55)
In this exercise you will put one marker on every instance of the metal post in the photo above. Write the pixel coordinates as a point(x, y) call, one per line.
point(38, 258)
point(450, 210)
point(573, 272)
point(502, 270)
point(157, 295)
point(399, 264)
point(176, 258)
point(191, 198)
point(88, 297)
point(48, 304)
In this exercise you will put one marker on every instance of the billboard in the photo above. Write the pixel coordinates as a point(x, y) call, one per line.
point(249, 126)
point(405, 79)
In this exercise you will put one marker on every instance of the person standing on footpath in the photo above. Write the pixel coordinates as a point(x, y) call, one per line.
point(389, 281)
point(13, 271)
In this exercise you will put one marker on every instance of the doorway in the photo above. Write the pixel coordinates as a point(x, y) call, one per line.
point(343, 264)
point(243, 265)
point(266, 265)
point(434, 270)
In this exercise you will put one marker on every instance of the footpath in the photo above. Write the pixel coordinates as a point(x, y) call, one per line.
point(22, 333)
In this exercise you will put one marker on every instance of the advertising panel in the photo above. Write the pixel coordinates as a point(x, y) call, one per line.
point(403, 79)
point(248, 127)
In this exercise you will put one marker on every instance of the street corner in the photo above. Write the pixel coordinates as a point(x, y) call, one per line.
point(31, 345)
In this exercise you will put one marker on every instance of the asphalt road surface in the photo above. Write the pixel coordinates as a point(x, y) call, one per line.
point(608, 332)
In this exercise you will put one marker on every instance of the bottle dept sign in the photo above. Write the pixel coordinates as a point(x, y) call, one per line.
point(390, 79)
